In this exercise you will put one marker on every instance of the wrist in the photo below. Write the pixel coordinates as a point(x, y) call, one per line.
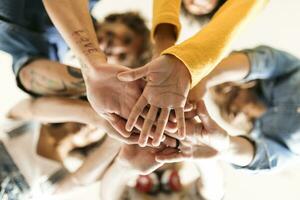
point(240, 151)
point(165, 32)
point(125, 166)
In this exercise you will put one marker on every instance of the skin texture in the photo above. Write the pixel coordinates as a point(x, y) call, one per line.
point(45, 77)
point(170, 83)
point(207, 140)
point(120, 44)
point(200, 7)
point(73, 21)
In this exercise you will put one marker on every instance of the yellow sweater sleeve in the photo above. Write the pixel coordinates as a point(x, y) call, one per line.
point(202, 52)
point(166, 12)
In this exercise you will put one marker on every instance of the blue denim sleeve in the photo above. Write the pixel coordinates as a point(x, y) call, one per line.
point(269, 155)
point(267, 62)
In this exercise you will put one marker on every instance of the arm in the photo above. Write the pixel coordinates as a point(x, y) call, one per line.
point(131, 162)
point(262, 62)
point(203, 51)
point(93, 167)
point(166, 13)
point(73, 20)
point(45, 77)
point(267, 63)
point(233, 68)
point(208, 140)
point(115, 181)
point(56, 110)
point(185, 64)
point(107, 94)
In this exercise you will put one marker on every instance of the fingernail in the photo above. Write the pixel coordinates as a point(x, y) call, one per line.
point(142, 142)
point(122, 76)
point(128, 127)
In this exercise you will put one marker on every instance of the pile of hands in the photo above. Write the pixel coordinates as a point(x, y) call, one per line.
point(148, 111)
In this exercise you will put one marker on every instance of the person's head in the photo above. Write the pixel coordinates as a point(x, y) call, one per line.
point(238, 103)
point(125, 39)
point(201, 10)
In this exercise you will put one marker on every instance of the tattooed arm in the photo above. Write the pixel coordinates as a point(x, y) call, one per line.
point(45, 77)
point(73, 20)
point(106, 93)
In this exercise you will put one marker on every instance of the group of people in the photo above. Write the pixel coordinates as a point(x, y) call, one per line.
point(133, 106)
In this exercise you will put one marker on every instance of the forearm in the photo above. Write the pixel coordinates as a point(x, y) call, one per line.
point(56, 110)
point(240, 152)
point(233, 68)
point(164, 37)
point(73, 20)
point(45, 77)
point(202, 52)
point(97, 163)
point(115, 180)
point(166, 12)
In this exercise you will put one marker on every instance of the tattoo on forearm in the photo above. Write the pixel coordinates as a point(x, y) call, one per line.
point(82, 38)
point(76, 73)
point(45, 85)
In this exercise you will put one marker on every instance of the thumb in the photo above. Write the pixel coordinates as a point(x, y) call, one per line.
point(133, 74)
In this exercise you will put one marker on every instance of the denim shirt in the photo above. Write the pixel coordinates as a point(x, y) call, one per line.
point(276, 134)
point(27, 33)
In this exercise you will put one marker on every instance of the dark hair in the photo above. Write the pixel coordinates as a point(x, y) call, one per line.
point(137, 24)
point(201, 19)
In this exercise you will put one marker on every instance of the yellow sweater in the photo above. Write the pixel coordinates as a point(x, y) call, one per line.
point(202, 52)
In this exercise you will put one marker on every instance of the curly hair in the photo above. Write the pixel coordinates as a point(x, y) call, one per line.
point(137, 24)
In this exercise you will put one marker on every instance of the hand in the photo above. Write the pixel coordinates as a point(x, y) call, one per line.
point(204, 140)
point(108, 95)
point(168, 83)
point(116, 125)
point(140, 159)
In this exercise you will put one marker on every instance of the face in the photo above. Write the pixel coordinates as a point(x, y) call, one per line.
point(120, 44)
point(200, 7)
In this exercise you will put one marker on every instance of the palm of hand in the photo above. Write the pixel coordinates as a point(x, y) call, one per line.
point(168, 83)
point(107, 94)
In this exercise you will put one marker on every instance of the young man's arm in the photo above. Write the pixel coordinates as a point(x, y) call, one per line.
point(104, 91)
point(45, 77)
point(73, 21)
point(93, 168)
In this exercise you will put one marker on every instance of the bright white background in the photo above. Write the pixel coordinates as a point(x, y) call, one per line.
point(278, 26)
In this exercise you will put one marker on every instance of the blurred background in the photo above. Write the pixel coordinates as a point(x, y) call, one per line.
point(278, 26)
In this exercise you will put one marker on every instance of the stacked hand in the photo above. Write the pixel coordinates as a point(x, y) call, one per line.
point(204, 140)
point(168, 83)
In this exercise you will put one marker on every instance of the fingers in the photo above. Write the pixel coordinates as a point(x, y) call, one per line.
point(188, 107)
point(135, 112)
point(118, 124)
point(160, 126)
point(169, 142)
point(134, 74)
point(180, 122)
point(172, 156)
point(148, 123)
